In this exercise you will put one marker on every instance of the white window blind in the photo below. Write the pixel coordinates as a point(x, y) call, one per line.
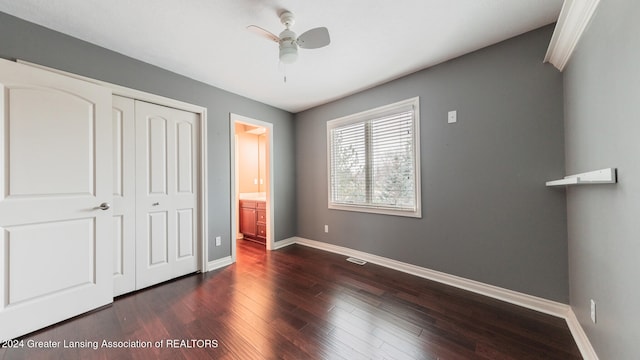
point(374, 160)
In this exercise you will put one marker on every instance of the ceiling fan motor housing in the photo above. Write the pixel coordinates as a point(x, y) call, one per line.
point(287, 19)
point(288, 47)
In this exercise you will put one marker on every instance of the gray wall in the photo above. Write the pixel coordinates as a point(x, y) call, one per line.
point(26, 41)
point(602, 127)
point(487, 214)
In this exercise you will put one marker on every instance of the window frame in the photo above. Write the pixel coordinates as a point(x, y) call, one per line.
point(363, 117)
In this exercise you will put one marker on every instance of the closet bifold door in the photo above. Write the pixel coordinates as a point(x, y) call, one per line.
point(55, 195)
point(124, 195)
point(166, 193)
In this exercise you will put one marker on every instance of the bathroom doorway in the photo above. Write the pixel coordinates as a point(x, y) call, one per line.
point(251, 182)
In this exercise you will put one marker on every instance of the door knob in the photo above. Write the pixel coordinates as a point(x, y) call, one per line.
point(104, 206)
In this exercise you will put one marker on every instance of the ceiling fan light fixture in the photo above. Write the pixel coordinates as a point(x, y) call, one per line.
point(288, 52)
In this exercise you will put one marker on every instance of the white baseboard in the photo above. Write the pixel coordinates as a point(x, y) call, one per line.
point(550, 307)
point(528, 301)
point(219, 263)
point(283, 243)
point(587, 351)
point(228, 260)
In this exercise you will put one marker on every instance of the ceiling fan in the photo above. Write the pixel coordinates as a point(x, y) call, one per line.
point(289, 42)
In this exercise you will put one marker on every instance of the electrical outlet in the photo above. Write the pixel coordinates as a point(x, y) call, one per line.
point(593, 311)
point(218, 240)
point(452, 116)
point(326, 228)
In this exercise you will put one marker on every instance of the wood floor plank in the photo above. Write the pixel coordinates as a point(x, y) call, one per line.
point(303, 303)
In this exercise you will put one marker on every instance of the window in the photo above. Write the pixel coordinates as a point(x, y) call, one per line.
point(374, 162)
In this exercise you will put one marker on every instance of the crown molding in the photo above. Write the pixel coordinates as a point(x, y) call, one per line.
point(573, 20)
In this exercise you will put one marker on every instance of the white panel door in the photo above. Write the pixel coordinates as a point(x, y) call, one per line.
point(55, 172)
point(166, 193)
point(124, 196)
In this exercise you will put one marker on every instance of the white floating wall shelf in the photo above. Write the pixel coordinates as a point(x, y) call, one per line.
point(603, 176)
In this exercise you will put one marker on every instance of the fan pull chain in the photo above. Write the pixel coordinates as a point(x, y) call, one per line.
point(284, 70)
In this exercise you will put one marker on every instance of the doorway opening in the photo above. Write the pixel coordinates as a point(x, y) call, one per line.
point(251, 182)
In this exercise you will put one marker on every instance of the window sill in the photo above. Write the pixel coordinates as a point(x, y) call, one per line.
point(380, 211)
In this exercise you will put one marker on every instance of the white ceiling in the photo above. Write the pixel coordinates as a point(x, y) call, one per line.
point(372, 41)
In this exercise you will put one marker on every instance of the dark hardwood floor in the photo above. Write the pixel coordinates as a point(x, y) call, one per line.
point(302, 303)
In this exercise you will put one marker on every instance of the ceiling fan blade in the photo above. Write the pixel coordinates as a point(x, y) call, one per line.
point(314, 38)
point(264, 33)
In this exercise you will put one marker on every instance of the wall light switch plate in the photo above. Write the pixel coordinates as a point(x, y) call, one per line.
point(453, 117)
point(326, 228)
point(218, 240)
point(593, 311)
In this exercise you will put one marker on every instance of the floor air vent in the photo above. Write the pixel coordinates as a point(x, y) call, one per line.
point(356, 261)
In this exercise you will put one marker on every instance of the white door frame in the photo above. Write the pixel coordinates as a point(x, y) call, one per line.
point(233, 118)
point(161, 100)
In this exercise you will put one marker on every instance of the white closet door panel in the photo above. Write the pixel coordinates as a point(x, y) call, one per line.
point(35, 135)
point(157, 155)
point(55, 171)
point(186, 240)
point(118, 117)
point(124, 197)
point(30, 249)
point(185, 148)
point(157, 238)
point(166, 196)
point(118, 251)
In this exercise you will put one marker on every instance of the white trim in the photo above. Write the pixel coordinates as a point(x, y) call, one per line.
point(284, 243)
point(572, 22)
point(517, 298)
point(586, 349)
point(233, 118)
point(176, 104)
point(219, 263)
point(204, 190)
